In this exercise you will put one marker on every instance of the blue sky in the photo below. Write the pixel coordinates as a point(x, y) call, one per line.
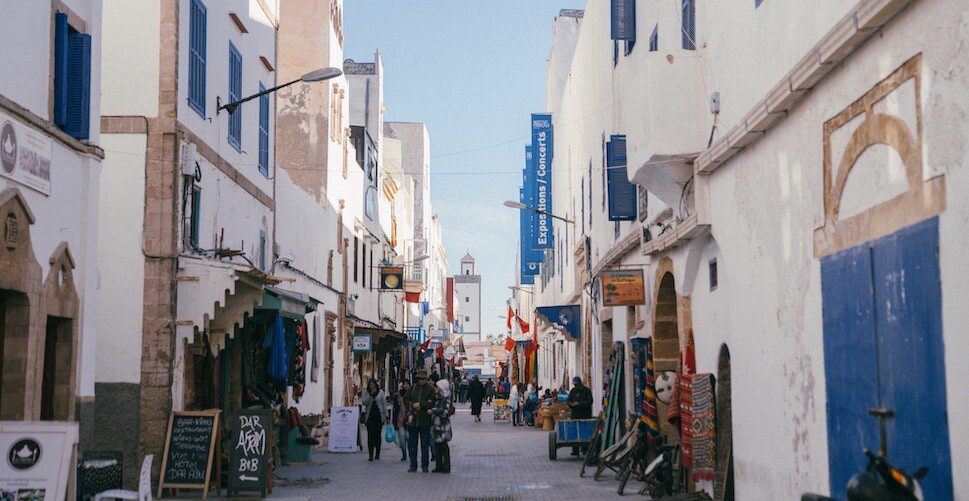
point(473, 71)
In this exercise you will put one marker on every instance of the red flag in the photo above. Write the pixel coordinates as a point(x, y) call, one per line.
point(524, 325)
point(509, 344)
point(531, 348)
point(426, 344)
point(440, 351)
point(511, 315)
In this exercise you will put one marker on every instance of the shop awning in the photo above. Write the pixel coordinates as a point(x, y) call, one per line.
point(289, 304)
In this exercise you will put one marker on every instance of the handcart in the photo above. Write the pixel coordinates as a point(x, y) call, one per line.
point(570, 433)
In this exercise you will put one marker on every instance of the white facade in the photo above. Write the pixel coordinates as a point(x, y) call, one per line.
point(746, 206)
point(467, 288)
point(49, 191)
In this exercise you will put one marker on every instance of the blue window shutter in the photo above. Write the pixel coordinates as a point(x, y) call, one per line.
point(78, 115)
point(198, 28)
point(654, 39)
point(263, 132)
point(623, 19)
point(689, 24)
point(235, 93)
point(622, 193)
point(60, 70)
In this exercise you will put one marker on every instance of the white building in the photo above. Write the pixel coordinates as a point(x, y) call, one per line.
point(467, 288)
point(51, 157)
point(795, 172)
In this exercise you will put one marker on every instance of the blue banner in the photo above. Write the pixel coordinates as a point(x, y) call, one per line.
point(568, 317)
point(542, 166)
point(528, 269)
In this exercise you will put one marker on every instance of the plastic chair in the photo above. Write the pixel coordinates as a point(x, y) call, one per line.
point(144, 486)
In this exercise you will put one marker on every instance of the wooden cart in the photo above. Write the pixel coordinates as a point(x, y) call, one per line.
point(570, 433)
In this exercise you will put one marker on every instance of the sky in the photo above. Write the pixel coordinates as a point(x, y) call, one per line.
point(473, 71)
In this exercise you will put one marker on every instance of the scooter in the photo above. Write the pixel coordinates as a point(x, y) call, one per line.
point(881, 481)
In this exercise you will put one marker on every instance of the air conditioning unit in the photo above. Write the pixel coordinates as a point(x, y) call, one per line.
point(190, 154)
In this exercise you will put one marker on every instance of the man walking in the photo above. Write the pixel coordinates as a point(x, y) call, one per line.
point(420, 401)
point(489, 391)
point(580, 400)
point(476, 392)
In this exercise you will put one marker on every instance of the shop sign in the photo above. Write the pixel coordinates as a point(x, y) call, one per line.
point(37, 458)
point(344, 426)
point(392, 278)
point(361, 342)
point(623, 288)
point(25, 154)
point(249, 457)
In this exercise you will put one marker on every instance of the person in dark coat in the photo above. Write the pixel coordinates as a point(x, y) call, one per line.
point(476, 392)
point(420, 400)
point(489, 391)
point(580, 400)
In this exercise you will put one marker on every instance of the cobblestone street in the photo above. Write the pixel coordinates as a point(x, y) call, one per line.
point(489, 461)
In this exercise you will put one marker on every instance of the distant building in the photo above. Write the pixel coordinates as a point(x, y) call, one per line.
point(467, 287)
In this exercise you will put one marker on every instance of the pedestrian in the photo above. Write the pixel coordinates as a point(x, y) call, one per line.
point(463, 389)
point(476, 392)
point(399, 412)
point(580, 400)
point(419, 400)
point(514, 402)
point(504, 388)
point(375, 416)
point(441, 427)
point(490, 391)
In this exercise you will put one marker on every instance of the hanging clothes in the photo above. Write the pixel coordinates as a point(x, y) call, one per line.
point(298, 374)
point(275, 342)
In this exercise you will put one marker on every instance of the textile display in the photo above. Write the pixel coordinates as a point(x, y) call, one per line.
point(298, 375)
point(275, 342)
point(702, 427)
point(685, 386)
point(649, 415)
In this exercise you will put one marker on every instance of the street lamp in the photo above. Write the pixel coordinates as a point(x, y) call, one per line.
point(313, 76)
point(520, 289)
point(518, 205)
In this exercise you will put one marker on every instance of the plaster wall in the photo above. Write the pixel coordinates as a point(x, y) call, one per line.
point(130, 70)
point(122, 275)
point(469, 298)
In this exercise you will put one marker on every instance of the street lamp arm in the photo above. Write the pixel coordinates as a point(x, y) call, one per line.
point(231, 107)
point(519, 205)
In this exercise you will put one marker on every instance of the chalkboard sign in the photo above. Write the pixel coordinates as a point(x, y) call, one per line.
point(188, 456)
point(249, 450)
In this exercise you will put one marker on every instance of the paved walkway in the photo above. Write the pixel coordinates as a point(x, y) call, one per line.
point(489, 461)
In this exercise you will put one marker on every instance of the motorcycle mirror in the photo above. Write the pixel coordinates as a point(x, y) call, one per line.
point(920, 473)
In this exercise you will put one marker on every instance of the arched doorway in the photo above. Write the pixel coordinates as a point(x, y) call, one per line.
point(723, 481)
point(666, 343)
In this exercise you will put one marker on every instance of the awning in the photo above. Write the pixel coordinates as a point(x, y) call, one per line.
point(383, 339)
point(289, 304)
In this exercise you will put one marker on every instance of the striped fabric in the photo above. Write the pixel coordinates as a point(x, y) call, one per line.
point(649, 414)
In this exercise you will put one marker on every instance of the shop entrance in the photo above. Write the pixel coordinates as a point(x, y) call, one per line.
point(666, 342)
point(58, 354)
point(883, 348)
point(14, 322)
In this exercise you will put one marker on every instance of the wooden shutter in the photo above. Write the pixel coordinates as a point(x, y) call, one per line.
point(623, 19)
point(235, 93)
point(78, 86)
point(263, 132)
point(689, 24)
point(197, 44)
point(60, 70)
point(622, 193)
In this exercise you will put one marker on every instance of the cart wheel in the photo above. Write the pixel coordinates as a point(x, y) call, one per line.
point(552, 445)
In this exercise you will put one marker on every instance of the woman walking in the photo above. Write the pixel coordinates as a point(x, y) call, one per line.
point(441, 427)
point(514, 401)
point(399, 413)
point(476, 393)
point(375, 415)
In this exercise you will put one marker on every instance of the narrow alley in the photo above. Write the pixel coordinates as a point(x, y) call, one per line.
point(490, 461)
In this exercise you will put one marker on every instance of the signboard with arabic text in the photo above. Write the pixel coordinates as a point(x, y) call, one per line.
point(25, 154)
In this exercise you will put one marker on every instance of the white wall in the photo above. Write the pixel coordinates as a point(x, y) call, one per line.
point(130, 85)
point(470, 308)
point(122, 276)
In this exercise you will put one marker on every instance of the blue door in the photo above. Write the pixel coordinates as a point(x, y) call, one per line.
point(883, 347)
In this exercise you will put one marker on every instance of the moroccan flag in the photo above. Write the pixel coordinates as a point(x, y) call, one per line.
point(426, 344)
point(524, 325)
point(511, 315)
point(509, 344)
